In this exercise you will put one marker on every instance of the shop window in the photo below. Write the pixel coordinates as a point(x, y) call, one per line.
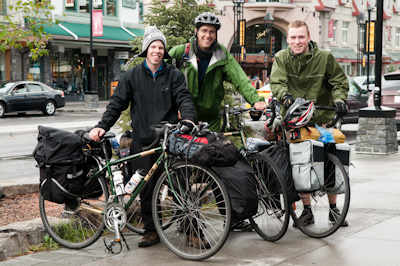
point(108, 6)
point(140, 11)
point(34, 70)
point(346, 69)
point(2, 7)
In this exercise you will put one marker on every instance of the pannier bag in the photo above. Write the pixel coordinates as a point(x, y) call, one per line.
point(206, 148)
point(280, 155)
point(239, 181)
point(307, 160)
point(63, 166)
point(342, 152)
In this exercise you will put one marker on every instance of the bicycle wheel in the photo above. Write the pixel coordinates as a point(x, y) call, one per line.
point(272, 218)
point(134, 216)
point(325, 222)
point(80, 223)
point(195, 204)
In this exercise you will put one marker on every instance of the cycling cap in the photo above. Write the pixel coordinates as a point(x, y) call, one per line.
point(207, 18)
point(153, 34)
point(299, 113)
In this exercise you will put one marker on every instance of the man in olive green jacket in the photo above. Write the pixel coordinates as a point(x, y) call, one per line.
point(209, 63)
point(303, 70)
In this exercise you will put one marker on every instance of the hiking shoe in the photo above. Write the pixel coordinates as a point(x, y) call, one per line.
point(197, 242)
point(334, 214)
point(305, 218)
point(149, 239)
point(241, 225)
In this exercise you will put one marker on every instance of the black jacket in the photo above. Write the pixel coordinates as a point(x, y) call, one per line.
point(153, 100)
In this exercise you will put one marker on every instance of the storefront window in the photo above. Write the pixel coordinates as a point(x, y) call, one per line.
point(111, 4)
point(258, 39)
point(69, 71)
point(2, 66)
point(34, 70)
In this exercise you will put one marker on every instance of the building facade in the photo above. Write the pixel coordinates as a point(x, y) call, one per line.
point(67, 65)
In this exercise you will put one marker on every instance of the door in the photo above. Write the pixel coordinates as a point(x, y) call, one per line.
point(102, 81)
point(18, 100)
point(37, 96)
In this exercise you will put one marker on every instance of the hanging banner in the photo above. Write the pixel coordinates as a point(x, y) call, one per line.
point(330, 29)
point(97, 16)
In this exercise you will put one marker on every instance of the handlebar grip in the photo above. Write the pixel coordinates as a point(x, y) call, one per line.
point(152, 145)
point(336, 117)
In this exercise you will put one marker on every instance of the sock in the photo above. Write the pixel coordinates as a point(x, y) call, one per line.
point(308, 207)
point(331, 206)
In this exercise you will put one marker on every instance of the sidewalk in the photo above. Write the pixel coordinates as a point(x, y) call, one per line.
point(371, 239)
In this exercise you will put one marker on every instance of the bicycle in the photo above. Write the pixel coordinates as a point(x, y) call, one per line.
point(333, 170)
point(272, 218)
point(183, 204)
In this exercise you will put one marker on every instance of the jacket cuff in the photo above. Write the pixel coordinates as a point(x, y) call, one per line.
point(338, 101)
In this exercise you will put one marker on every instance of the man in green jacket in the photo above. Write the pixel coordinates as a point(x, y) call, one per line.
point(303, 70)
point(206, 65)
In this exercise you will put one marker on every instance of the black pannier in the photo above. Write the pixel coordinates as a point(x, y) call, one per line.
point(63, 166)
point(206, 148)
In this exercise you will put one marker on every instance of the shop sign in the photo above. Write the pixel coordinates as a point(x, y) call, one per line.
point(129, 3)
point(121, 55)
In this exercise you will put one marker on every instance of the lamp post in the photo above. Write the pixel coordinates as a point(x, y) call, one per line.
point(368, 40)
point(360, 22)
point(268, 22)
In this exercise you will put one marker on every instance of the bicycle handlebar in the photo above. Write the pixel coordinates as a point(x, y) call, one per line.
point(235, 111)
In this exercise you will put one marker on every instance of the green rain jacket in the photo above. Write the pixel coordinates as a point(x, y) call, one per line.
point(208, 98)
point(315, 75)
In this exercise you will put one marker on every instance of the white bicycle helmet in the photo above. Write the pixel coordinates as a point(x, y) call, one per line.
point(299, 113)
point(207, 18)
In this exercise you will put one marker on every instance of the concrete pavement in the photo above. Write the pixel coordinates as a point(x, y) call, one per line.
point(373, 237)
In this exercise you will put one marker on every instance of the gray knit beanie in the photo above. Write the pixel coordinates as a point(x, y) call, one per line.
point(153, 34)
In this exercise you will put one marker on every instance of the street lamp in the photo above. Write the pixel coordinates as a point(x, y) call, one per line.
point(268, 21)
point(360, 22)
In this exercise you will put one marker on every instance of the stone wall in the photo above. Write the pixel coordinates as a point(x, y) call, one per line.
point(376, 135)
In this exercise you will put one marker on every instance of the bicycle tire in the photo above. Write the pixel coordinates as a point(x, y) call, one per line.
point(72, 226)
point(202, 213)
point(322, 226)
point(272, 218)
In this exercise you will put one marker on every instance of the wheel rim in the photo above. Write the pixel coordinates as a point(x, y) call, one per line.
point(1, 110)
point(204, 212)
point(50, 108)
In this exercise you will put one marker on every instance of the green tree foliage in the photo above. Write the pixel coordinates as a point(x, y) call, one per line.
point(24, 22)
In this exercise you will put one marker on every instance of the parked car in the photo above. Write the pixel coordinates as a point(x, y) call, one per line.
point(23, 96)
point(357, 98)
point(362, 81)
point(390, 94)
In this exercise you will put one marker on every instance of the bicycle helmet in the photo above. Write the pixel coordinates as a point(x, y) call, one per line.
point(299, 113)
point(207, 18)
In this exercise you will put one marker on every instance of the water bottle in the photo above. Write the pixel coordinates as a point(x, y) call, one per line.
point(118, 180)
point(134, 181)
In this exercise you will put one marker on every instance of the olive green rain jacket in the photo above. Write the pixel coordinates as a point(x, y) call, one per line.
point(315, 75)
point(208, 98)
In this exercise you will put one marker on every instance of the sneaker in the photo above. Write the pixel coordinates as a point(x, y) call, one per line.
point(334, 214)
point(149, 239)
point(241, 225)
point(197, 242)
point(305, 218)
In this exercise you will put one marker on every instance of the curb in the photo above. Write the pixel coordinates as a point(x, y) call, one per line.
point(13, 190)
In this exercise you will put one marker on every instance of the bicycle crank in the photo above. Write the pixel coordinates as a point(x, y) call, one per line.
point(115, 216)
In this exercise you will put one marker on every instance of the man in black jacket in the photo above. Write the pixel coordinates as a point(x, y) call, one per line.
point(156, 91)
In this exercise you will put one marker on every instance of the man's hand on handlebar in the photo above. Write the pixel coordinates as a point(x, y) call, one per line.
point(188, 126)
point(260, 105)
point(341, 107)
point(96, 133)
point(288, 100)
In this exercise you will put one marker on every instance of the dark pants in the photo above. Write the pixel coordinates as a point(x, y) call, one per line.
point(145, 163)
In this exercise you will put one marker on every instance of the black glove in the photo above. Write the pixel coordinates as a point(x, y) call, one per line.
point(188, 127)
point(341, 108)
point(288, 100)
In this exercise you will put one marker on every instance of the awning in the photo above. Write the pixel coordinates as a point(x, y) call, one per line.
point(348, 54)
point(81, 32)
point(394, 56)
